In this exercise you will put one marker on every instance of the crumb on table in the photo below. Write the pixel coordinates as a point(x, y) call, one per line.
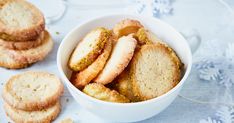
point(67, 120)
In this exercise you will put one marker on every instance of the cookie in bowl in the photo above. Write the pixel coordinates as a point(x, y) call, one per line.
point(88, 49)
point(155, 69)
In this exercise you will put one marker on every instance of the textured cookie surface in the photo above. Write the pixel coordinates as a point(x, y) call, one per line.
point(126, 27)
point(124, 86)
point(85, 76)
point(16, 59)
point(146, 37)
point(20, 20)
point(22, 45)
point(101, 92)
point(88, 49)
point(42, 116)
point(32, 90)
point(121, 55)
point(155, 69)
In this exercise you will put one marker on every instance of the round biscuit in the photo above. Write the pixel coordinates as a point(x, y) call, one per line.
point(121, 55)
point(16, 59)
point(85, 76)
point(42, 116)
point(32, 90)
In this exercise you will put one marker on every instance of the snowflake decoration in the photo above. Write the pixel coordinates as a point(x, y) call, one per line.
point(209, 120)
point(161, 7)
point(220, 69)
point(154, 8)
point(224, 114)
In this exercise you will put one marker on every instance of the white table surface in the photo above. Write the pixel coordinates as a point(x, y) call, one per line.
point(203, 15)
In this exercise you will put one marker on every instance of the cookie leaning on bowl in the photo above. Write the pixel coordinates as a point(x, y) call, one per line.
point(32, 91)
point(155, 69)
point(88, 49)
point(20, 21)
point(15, 59)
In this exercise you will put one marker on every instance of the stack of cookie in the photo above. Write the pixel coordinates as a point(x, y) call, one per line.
point(32, 97)
point(23, 38)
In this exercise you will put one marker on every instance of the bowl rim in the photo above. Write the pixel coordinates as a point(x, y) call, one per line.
point(89, 98)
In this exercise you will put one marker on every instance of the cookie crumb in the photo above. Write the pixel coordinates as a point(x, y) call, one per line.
point(67, 120)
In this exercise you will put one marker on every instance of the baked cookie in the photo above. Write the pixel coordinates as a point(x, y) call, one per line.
point(146, 37)
point(15, 59)
point(20, 21)
point(88, 49)
point(155, 69)
point(121, 55)
point(82, 78)
point(126, 27)
point(101, 92)
point(43, 116)
point(32, 91)
point(22, 45)
point(124, 85)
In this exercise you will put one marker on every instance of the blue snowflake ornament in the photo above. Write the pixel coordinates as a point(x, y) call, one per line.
point(161, 7)
point(209, 120)
point(155, 8)
point(226, 114)
point(220, 69)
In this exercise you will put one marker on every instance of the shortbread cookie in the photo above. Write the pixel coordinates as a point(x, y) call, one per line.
point(146, 37)
point(101, 92)
point(124, 85)
point(32, 90)
point(120, 57)
point(15, 59)
point(88, 49)
point(155, 69)
point(22, 45)
point(126, 27)
point(43, 116)
point(85, 76)
point(20, 21)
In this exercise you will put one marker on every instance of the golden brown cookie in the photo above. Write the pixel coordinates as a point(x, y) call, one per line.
point(146, 37)
point(124, 85)
point(155, 69)
point(85, 76)
point(32, 91)
point(20, 21)
point(126, 27)
point(15, 59)
point(88, 49)
point(121, 55)
point(101, 92)
point(43, 116)
point(22, 45)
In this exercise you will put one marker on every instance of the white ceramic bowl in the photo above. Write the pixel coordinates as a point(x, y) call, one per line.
point(127, 112)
